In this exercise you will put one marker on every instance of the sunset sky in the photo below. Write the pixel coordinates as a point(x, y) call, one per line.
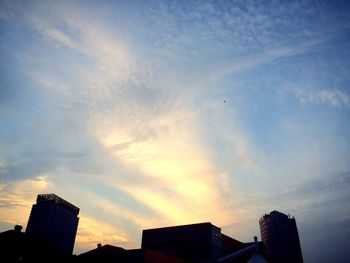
point(155, 113)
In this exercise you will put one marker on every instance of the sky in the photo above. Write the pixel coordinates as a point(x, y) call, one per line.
point(147, 114)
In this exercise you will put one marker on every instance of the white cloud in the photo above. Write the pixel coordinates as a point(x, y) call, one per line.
point(330, 97)
point(53, 34)
point(110, 64)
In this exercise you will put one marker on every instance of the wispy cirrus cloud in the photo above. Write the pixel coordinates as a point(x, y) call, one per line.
point(167, 125)
point(52, 34)
point(331, 97)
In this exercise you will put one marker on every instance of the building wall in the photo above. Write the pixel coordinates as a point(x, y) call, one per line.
point(154, 257)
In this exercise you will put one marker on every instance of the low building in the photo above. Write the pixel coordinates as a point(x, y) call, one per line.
point(196, 242)
point(112, 254)
point(17, 246)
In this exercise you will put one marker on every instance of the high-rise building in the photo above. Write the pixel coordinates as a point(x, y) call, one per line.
point(54, 220)
point(280, 237)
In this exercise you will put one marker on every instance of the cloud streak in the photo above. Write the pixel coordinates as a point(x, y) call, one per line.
point(333, 98)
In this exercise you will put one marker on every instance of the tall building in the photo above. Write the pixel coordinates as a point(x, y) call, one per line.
point(54, 220)
point(279, 234)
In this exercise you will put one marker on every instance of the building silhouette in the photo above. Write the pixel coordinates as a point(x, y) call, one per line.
point(202, 242)
point(280, 237)
point(192, 242)
point(112, 254)
point(55, 221)
point(176, 244)
point(17, 246)
point(169, 247)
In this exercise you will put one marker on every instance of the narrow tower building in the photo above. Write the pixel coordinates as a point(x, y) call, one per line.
point(280, 237)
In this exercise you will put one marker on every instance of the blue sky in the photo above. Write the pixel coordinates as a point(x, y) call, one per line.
point(175, 112)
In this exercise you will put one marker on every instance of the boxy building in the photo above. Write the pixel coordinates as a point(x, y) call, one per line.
point(201, 242)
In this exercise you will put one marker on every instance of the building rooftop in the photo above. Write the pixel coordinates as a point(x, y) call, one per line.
point(276, 213)
point(42, 198)
point(181, 226)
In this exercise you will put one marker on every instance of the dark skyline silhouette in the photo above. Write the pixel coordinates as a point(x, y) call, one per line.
point(53, 222)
